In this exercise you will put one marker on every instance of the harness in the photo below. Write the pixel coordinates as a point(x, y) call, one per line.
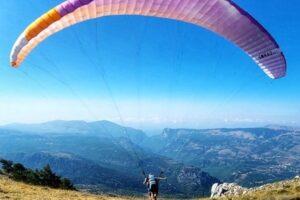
point(152, 180)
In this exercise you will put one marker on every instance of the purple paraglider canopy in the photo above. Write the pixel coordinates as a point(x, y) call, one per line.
point(223, 17)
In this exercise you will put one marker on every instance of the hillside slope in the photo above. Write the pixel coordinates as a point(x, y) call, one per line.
point(14, 190)
point(284, 190)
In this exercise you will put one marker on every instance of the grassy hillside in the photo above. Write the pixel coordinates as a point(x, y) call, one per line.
point(14, 190)
point(285, 190)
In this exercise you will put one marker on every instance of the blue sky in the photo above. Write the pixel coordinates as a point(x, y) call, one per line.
point(148, 72)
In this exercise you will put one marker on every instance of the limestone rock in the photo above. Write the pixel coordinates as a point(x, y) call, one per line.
point(227, 189)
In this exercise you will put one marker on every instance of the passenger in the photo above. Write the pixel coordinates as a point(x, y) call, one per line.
point(152, 184)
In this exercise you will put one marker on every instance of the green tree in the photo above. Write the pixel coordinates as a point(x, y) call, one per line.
point(48, 178)
point(18, 172)
point(66, 184)
point(33, 177)
point(44, 177)
point(6, 166)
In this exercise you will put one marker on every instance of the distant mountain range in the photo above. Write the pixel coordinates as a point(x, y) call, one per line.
point(99, 157)
point(98, 128)
point(104, 156)
point(247, 156)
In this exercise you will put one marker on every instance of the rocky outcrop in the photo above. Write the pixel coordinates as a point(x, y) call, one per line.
point(232, 189)
point(227, 189)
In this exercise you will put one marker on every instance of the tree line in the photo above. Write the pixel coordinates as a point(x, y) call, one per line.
point(43, 177)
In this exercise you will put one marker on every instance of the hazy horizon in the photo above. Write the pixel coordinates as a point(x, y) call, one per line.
point(152, 130)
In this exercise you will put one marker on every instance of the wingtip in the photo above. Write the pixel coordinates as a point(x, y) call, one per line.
point(280, 76)
point(14, 64)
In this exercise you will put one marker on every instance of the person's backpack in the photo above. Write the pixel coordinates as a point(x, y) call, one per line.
point(152, 180)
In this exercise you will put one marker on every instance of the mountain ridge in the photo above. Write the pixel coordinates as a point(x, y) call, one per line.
point(119, 153)
point(248, 156)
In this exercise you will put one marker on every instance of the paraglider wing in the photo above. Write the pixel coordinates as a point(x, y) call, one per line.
point(223, 17)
